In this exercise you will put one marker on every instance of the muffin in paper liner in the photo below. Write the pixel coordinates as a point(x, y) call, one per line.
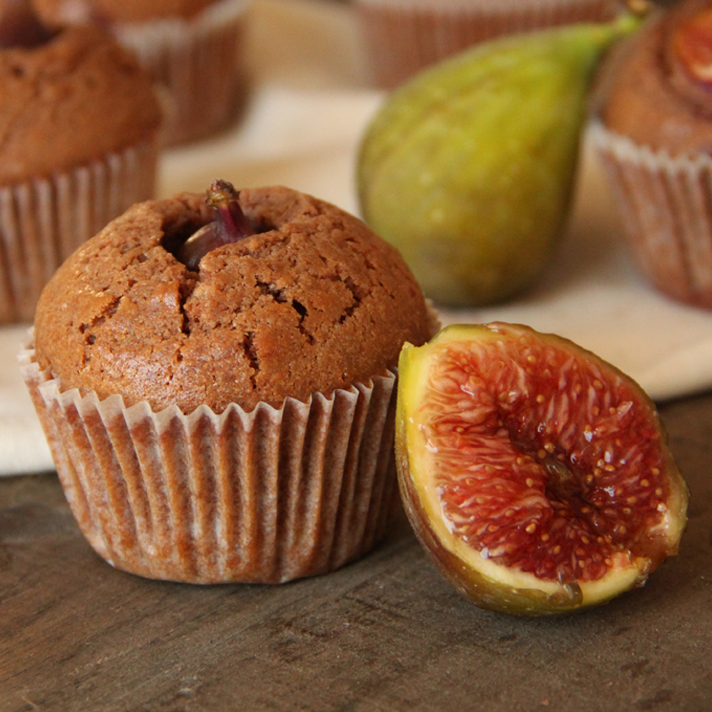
point(197, 65)
point(42, 221)
point(405, 36)
point(261, 497)
point(666, 206)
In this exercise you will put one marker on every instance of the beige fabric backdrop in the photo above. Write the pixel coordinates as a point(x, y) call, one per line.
point(309, 104)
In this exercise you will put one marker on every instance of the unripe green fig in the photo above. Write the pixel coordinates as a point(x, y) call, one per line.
point(468, 168)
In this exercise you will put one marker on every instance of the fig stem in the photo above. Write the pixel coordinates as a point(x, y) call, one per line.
point(230, 225)
point(224, 199)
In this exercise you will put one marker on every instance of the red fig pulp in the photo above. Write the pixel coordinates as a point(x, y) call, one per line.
point(537, 475)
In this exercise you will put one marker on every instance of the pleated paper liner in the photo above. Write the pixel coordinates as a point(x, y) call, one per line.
point(666, 205)
point(198, 64)
point(405, 36)
point(260, 497)
point(43, 221)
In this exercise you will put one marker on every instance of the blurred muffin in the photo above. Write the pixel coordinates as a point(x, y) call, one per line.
point(654, 131)
point(79, 123)
point(230, 416)
point(405, 36)
point(192, 48)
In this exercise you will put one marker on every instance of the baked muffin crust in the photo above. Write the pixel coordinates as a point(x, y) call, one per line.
point(69, 100)
point(313, 301)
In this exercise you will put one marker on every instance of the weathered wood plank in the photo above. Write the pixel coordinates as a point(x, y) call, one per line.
point(387, 633)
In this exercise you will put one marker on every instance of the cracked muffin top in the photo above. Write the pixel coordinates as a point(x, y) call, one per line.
point(311, 302)
point(69, 100)
point(655, 87)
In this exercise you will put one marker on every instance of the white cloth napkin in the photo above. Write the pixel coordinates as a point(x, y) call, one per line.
point(301, 127)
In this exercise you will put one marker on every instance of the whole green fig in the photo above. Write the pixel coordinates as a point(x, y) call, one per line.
point(468, 168)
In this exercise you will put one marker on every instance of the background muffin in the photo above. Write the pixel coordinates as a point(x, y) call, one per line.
point(79, 123)
point(192, 48)
point(65, 11)
point(654, 131)
point(254, 395)
point(404, 36)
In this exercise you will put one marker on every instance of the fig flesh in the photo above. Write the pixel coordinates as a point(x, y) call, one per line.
point(468, 168)
point(535, 474)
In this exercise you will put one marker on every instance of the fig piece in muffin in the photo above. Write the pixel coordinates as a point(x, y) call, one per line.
point(230, 225)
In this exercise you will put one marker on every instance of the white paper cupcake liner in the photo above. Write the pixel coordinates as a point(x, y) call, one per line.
point(43, 221)
point(666, 205)
point(405, 36)
point(197, 63)
point(260, 497)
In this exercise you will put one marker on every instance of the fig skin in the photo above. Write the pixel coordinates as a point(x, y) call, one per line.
point(491, 585)
point(468, 168)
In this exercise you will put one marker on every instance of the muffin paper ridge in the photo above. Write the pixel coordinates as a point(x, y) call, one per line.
point(196, 65)
point(654, 159)
point(263, 497)
point(572, 7)
point(179, 29)
point(405, 37)
point(666, 204)
point(43, 221)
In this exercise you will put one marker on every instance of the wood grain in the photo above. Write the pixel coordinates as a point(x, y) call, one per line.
point(387, 633)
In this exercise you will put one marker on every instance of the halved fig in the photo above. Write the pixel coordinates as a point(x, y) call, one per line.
point(536, 475)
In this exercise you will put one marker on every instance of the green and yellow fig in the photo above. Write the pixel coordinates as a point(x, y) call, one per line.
point(469, 167)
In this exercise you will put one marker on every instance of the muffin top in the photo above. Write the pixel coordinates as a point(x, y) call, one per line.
point(656, 87)
point(62, 12)
point(312, 301)
point(68, 100)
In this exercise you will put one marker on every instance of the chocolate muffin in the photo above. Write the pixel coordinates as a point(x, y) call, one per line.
point(250, 390)
point(653, 126)
point(192, 49)
point(79, 131)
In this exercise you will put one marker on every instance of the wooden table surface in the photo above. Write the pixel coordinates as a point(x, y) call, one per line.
point(386, 633)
